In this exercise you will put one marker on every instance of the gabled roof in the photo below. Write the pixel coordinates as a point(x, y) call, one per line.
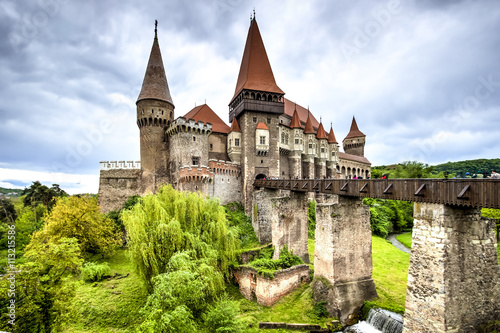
point(331, 136)
point(354, 132)
point(321, 132)
point(255, 70)
point(205, 114)
point(354, 158)
point(234, 126)
point(155, 85)
point(309, 127)
point(262, 126)
point(290, 107)
point(295, 120)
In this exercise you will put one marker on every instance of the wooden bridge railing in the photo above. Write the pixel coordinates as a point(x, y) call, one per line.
point(483, 193)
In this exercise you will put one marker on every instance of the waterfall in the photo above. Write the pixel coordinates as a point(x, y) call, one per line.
point(378, 320)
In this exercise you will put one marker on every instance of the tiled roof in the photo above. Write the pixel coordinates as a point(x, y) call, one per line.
point(255, 70)
point(354, 158)
point(155, 85)
point(205, 114)
point(290, 107)
point(354, 132)
point(321, 132)
point(295, 120)
point(262, 126)
point(235, 127)
point(331, 136)
point(309, 127)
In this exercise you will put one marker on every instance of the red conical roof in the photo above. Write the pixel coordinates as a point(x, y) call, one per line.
point(309, 127)
point(155, 85)
point(321, 132)
point(205, 114)
point(331, 136)
point(295, 120)
point(354, 132)
point(255, 69)
point(234, 126)
point(262, 126)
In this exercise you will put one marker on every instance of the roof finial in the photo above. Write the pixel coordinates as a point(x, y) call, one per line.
point(156, 28)
point(254, 13)
point(320, 120)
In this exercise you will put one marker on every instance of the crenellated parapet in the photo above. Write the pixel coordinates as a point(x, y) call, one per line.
point(195, 174)
point(114, 165)
point(225, 168)
point(182, 124)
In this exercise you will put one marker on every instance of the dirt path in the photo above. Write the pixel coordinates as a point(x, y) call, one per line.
point(392, 238)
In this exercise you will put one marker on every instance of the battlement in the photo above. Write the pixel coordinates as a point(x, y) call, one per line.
point(225, 168)
point(113, 165)
point(182, 124)
point(195, 173)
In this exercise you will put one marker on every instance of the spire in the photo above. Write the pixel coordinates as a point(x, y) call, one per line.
point(255, 70)
point(155, 85)
point(331, 136)
point(354, 132)
point(295, 119)
point(321, 132)
point(234, 126)
point(309, 127)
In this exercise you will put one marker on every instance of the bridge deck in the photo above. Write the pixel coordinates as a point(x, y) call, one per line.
point(483, 193)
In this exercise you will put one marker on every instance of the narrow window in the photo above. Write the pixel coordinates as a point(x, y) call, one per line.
point(236, 142)
point(196, 160)
point(268, 120)
point(296, 141)
point(262, 140)
point(322, 150)
point(310, 146)
point(194, 138)
point(211, 146)
point(230, 142)
point(152, 111)
point(255, 119)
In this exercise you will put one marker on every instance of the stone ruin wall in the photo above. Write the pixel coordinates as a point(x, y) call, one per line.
point(453, 280)
point(117, 182)
point(268, 291)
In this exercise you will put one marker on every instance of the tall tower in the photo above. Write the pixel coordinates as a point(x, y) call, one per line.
point(354, 142)
point(155, 111)
point(256, 105)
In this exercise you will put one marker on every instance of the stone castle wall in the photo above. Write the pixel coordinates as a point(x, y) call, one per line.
point(226, 183)
point(266, 290)
point(116, 186)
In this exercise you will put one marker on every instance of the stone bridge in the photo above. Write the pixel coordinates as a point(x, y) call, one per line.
point(453, 279)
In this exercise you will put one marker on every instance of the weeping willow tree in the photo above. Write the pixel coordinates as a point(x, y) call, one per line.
point(170, 221)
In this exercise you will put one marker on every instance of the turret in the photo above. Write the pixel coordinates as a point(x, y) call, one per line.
point(234, 142)
point(354, 142)
point(155, 110)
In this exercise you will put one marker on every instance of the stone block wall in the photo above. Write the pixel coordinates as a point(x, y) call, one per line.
point(116, 185)
point(453, 279)
point(226, 182)
point(266, 290)
point(343, 256)
point(261, 211)
point(289, 224)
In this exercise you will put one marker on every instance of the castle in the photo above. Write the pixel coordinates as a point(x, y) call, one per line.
point(269, 137)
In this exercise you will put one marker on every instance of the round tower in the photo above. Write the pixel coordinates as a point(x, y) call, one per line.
point(155, 111)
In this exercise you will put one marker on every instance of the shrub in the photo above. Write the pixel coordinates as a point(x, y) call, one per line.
point(92, 271)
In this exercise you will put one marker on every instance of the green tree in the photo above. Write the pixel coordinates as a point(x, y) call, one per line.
point(43, 290)
point(162, 224)
point(413, 169)
point(311, 217)
point(30, 220)
point(41, 194)
point(8, 216)
point(79, 217)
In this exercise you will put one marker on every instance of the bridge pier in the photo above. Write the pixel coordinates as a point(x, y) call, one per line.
point(453, 278)
point(282, 220)
point(343, 257)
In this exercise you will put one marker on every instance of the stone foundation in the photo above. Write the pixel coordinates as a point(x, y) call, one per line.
point(266, 290)
point(343, 257)
point(453, 279)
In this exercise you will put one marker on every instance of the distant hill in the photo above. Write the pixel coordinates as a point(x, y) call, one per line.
point(10, 191)
point(459, 168)
point(483, 166)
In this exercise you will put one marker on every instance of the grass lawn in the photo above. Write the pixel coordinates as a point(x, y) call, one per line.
point(110, 305)
point(405, 239)
point(390, 273)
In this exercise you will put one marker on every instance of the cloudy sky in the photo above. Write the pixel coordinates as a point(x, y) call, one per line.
point(422, 77)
